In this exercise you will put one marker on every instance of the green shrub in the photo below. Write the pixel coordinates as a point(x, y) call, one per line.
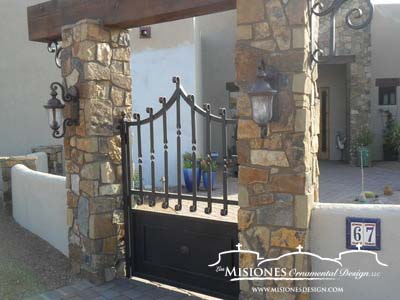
point(204, 165)
point(187, 160)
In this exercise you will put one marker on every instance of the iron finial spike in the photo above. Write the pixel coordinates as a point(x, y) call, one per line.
point(177, 81)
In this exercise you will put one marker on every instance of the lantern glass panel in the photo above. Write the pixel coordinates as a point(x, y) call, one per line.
point(55, 117)
point(262, 107)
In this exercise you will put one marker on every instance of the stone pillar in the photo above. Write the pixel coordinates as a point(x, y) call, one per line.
point(278, 175)
point(97, 61)
point(6, 163)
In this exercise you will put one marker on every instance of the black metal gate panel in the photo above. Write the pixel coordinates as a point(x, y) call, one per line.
point(173, 248)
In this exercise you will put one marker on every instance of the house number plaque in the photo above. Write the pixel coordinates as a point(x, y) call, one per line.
point(364, 232)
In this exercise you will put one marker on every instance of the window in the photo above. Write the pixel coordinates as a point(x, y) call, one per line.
point(387, 95)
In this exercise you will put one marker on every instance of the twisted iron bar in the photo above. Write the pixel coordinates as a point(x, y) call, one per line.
point(318, 9)
point(55, 48)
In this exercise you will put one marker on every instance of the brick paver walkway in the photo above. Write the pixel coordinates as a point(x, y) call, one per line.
point(341, 183)
point(121, 289)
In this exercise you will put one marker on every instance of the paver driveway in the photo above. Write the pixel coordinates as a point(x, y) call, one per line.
point(121, 289)
point(341, 183)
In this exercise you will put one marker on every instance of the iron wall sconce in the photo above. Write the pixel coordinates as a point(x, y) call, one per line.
point(55, 109)
point(262, 95)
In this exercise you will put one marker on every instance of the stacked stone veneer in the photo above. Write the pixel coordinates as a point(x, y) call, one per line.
point(97, 61)
point(358, 43)
point(278, 176)
point(55, 158)
point(6, 163)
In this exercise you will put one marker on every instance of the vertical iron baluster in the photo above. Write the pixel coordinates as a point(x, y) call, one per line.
point(163, 101)
point(139, 201)
point(126, 194)
point(193, 207)
point(224, 211)
point(178, 207)
point(207, 108)
point(152, 200)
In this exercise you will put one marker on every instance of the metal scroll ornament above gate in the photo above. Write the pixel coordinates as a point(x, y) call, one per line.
point(356, 18)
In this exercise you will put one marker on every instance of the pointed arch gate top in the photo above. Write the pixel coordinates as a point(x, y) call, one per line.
point(139, 192)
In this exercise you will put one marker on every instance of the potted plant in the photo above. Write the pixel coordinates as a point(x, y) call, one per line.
point(188, 172)
point(204, 169)
point(391, 139)
point(363, 140)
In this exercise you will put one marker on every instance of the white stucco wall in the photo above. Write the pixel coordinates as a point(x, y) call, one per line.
point(385, 64)
point(334, 77)
point(218, 39)
point(42, 164)
point(26, 71)
point(327, 238)
point(171, 51)
point(39, 205)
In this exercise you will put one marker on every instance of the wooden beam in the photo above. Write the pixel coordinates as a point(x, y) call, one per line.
point(46, 19)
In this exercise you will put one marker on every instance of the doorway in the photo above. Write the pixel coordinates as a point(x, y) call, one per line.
point(334, 112)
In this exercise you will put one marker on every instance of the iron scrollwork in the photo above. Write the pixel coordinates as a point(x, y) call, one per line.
point(318, 9)
point(70, 96)
point(55, 48)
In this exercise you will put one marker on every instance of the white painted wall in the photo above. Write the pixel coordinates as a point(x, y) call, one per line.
point(26, 71)
point(42, 163)
point(334, 78)
point(327, 238)
point(39, 205)
point(218, 39)
point(385, 64)
point(170, 52)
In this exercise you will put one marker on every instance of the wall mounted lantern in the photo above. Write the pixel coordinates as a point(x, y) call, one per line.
point(262, 97)
point(55, 109)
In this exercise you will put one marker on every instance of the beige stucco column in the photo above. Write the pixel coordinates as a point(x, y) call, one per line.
point(278, 176)
point(97, 60)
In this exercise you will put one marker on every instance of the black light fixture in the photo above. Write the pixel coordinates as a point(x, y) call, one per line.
point(262, 97)
point(55, 109)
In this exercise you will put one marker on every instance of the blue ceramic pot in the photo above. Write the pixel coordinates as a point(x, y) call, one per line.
point(187, 175)
point(205, 179)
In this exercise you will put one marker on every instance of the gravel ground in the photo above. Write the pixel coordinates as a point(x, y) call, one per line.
point(28, 264)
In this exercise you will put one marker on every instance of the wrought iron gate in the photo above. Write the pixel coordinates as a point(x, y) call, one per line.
point(172, 248)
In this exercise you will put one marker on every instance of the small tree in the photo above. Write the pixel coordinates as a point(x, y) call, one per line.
point(391, 138)
point(364, 138)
